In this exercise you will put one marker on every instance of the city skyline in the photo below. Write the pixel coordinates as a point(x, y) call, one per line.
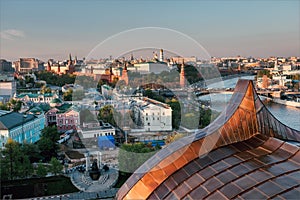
point(53, 29)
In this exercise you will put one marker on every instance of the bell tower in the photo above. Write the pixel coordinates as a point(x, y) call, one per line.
point(182, 77)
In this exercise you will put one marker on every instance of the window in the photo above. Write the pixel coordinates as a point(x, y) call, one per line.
point(146, 118)
point(153, 118)
point(94, 135)
point(163, 113)
point(158, 118)
point(146, 114)
point(148, 124)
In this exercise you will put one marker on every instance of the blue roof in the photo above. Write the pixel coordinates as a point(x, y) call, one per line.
point(14, 119)
point(108, 137)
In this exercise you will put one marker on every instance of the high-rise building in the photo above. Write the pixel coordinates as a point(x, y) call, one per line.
point(5, 66)
point(27, 65)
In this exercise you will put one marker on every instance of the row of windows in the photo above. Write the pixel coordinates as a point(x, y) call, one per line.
point(25, 128)
point(157, 114)
point(67, 121)
point(51, 118)
point(100, 134)
point(26, 134)
point(66, 126)
point(152, 118)
point(68, 116)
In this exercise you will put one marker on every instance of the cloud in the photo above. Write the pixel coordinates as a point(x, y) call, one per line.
point(11, 34)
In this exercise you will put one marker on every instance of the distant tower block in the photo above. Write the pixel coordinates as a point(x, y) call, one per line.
point(182, 77)
point(161, 55)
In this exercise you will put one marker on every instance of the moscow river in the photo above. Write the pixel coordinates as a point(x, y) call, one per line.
point(286, 114)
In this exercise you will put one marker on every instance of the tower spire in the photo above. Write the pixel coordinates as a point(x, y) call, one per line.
point(182, 75)
point(161, 55)
point(58, 68)
point(125, 74)
point(48, 67)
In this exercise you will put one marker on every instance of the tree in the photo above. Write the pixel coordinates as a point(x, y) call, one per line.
point(55, 166)
point(45, 90)
point(41, 170)
point(132, 156)
point(47, 143)
point(14, 163)
point(55, 79)
point(148, 93)
point(67, 96)
point(14, 105)
point(29, 79)
point(32, 151)
point(106, 114)
point(3, 106)
point(173, 138)
point(261, 73)
point(176, 113)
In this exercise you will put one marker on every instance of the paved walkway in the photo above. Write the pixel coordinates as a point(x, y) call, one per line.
point(84, 183)
point(89, 189)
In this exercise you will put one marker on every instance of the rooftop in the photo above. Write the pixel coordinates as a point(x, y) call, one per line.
point(14, 119)
point(242, 154)
point(32, 95)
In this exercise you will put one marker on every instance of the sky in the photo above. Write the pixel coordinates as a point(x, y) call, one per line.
point(53, 29)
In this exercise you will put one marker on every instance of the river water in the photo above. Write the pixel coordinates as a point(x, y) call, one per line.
point(286, 114)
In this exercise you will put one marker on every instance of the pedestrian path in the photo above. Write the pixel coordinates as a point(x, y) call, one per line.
point(84, 183)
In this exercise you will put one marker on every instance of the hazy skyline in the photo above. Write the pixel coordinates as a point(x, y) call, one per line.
point(53, 29)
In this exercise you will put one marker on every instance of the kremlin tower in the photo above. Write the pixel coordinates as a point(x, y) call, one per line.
point(182, 78)
point(124, 74)
point(58, 68)
point(48, 67)
point(161, 55)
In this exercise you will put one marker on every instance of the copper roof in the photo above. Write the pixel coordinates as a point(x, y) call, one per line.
point(242, 154)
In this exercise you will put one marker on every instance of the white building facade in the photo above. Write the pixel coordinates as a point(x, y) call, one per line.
point(152, 115)
point(94, 130)
point(149, 67)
